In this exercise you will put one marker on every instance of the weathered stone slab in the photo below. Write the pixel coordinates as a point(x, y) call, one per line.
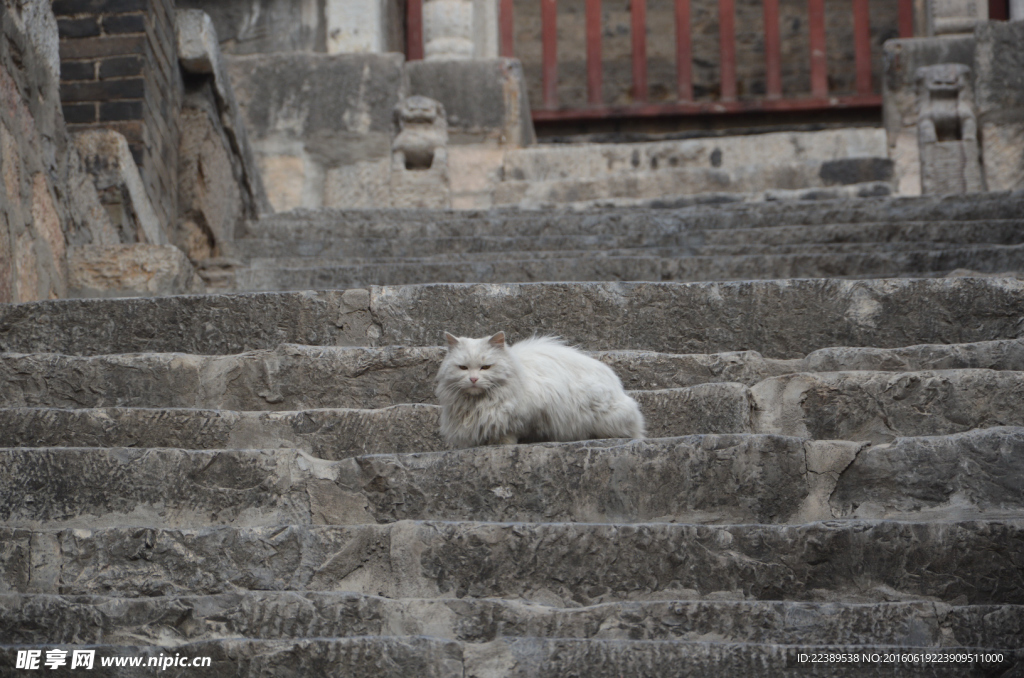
point(327, 434)
point(970, 562)
point(878, 407)
point(780, 319)
point(999, 83)
point(940, 476)
point(296, 377)
point(199, 324)
point(130, 270)
point(706, 479)
point(32, 619)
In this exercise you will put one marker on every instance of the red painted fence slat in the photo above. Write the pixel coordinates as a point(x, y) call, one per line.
point(414, 30)
point(727, 48)
point(638, 12)
point(594, 51)
point(862, 44)
point(684, 56)
point(549, 52)
point(506, 29)
point(819, 62)
point(906, 13)
point(772, 50)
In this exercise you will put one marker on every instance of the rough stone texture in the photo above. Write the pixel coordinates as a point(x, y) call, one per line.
point(46, 203)
point(197, 324)
point(129, 271)
point(970, 562)
point(120, 187)
point(940, 475)
point(326, 434)
point(485, 100)
point(308, 113)
point(780, 319)
point(295, 377)
point(902, 60)
point(220, 186)
point(999, 88)
point(272, 615)
point(879, 407)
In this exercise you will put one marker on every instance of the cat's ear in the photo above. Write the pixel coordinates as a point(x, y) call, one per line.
point(498, 340)
point(452, 340)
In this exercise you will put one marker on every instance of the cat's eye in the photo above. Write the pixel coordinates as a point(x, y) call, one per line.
point(463, 367)
point(485, 367)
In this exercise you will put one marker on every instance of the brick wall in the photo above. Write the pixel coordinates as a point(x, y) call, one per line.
point(119, 70)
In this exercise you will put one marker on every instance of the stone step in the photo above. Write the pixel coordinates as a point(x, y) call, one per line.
point(332, 433)
point(498, 222)
point(972, 563)
point(881, 406)
point(779, 318)
point(680, 182)
point(530, 657)
point(699, 479)
point(995, 232)
point(298, 377)
point(322, 260)
point(28, 619)
point(886, 264)
point(387, 657)
point(858, 406)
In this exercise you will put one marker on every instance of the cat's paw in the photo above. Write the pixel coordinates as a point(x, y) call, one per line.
point(507, 440)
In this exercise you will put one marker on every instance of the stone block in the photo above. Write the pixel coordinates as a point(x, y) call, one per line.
point(485, 99)
point(902, 59)
point(130, 271)
point(999, 93)
point(955, 16)
point(109, 160)
point(219, 181)
point(314, 113)
point(263, 26)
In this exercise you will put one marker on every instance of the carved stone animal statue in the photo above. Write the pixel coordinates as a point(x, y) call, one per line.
point(423, 137)
point(945, 104)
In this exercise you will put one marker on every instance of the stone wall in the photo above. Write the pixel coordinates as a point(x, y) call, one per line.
point(661, 46)
point(47, 202)
point(119, 71)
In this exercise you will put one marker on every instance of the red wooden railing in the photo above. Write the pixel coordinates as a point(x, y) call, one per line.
point(728, 101)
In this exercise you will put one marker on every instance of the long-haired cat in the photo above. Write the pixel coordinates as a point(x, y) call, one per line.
point(539, 389)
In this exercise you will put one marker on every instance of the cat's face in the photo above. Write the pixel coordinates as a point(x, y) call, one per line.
point(475, 366)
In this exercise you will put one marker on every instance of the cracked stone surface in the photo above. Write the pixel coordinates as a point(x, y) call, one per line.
point(976, 562)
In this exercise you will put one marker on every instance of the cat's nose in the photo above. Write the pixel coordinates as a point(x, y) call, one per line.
point(473, 380)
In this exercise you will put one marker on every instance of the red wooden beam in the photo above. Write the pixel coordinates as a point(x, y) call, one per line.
point(862, 45)
point(869, 102)
point(414, 30)
point(772, 50)
point(506, 29)
point(638, 12)
point(594, 51)
point(549, 52)
point(727, 48)
point(906, 13)
point(684, 52)
point(819, 62)
point(999, 10)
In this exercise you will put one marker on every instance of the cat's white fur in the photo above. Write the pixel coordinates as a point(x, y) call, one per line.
point(538, 389)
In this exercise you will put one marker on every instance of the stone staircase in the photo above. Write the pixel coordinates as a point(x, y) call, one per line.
point(866, 238)
point(835, 467)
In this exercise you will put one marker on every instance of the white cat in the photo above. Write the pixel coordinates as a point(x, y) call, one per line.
point(539, 389)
